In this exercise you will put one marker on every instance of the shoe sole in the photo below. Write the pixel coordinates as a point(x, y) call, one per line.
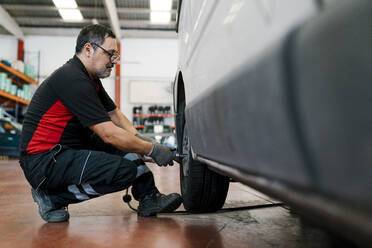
point(62, 218)
point(172, 206)
point(169, 208)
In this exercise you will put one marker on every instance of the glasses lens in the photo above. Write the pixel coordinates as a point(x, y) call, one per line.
point(115, 57)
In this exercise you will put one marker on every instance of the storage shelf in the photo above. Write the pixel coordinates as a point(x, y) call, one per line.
point(21, 76)
point(14, 98)
point(157, 134)
point(143, 126)
point(153, 115)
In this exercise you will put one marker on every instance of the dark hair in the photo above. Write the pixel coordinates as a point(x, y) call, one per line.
point(92, 33)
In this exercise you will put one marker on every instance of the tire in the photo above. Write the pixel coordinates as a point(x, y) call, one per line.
point(203, 190)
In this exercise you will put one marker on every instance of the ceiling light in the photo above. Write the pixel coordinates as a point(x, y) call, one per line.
point(70, 14)
point(65, 4)
point(160, 17)
point(161, 5)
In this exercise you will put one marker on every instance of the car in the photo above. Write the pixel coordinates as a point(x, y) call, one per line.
point(10, 136)
point(277, 95)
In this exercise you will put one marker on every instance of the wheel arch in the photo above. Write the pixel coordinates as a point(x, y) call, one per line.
point(179, 102)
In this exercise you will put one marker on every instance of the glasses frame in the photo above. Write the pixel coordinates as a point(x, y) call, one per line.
point(113, 57)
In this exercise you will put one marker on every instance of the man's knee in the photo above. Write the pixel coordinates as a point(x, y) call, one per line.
point(141, 166)
point(126, 174)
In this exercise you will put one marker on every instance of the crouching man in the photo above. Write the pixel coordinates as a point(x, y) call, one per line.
point(77, 145)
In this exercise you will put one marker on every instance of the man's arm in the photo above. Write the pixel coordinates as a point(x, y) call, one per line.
point(126, 141)
point(120, 138)
point(120, 120)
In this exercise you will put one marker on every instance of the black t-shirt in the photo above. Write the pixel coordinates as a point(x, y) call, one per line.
point(62, 108)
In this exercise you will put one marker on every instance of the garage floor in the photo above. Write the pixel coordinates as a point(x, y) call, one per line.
point(108, 222)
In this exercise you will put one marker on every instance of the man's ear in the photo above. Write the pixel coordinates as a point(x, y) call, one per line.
point(88, 50)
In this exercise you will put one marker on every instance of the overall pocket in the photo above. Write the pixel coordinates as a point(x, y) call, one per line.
point(37, 167)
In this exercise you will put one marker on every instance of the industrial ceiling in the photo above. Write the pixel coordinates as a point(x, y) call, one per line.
point(41, 17)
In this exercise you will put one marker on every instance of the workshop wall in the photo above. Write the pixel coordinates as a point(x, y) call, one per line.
point(153, 60)
point(8, 47)
point(54, 52)
point(142, 59)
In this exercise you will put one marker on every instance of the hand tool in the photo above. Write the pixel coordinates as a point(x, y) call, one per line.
point(180, 156)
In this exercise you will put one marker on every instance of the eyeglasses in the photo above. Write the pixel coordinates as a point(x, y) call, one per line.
point(113, 56)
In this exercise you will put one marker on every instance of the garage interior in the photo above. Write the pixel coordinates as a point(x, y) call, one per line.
point(34, 41)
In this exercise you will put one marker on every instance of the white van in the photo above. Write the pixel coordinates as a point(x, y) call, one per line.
point(277, 94)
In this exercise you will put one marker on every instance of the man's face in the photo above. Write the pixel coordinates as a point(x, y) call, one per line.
point(102, 62)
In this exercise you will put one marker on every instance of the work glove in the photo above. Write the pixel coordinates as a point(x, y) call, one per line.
point(162, 155)
point(143, 137)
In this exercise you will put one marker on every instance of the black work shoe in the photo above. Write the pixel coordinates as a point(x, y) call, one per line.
point(47, 210)
point(158, 203)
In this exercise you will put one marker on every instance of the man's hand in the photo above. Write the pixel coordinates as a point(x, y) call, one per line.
point(162, 155)
point(143, 137)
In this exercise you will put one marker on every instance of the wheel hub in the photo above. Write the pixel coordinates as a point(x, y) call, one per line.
point(185, 150)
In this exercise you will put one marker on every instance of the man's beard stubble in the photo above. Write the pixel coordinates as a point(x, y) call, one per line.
point(104, 73)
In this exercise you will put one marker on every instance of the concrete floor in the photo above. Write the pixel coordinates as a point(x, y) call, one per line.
point(108, 222)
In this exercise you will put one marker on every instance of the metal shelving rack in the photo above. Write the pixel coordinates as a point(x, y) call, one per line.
point(19, 78)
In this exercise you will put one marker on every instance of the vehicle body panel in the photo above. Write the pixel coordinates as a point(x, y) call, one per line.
point(283, 94)
point(220, 39)
point(230, 33)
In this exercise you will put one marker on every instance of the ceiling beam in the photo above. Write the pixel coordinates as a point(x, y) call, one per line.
point(10, 24)
point(112, 14)
point(124, 33)
point(140, 10)
point(49, 20)
point(51, 31)
point(149, 34)
point(123, 23)
point(92, 9)
point(29, 7)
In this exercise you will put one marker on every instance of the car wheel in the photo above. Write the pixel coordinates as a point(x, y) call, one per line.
point(203, 190)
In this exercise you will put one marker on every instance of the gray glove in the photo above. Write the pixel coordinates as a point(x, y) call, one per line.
point(162, 155)
point(148, 139)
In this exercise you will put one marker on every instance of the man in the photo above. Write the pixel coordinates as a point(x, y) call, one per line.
point(76, 145)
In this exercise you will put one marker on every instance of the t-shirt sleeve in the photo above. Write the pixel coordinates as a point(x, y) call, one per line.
point(79, 96)
point(106, 100)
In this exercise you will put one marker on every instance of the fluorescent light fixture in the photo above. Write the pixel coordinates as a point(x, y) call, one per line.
point(161, 5)
point(71, 14)
point(160, 17)
point(65, 4)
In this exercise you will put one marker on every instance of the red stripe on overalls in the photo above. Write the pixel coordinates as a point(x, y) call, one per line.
point(50, 128)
